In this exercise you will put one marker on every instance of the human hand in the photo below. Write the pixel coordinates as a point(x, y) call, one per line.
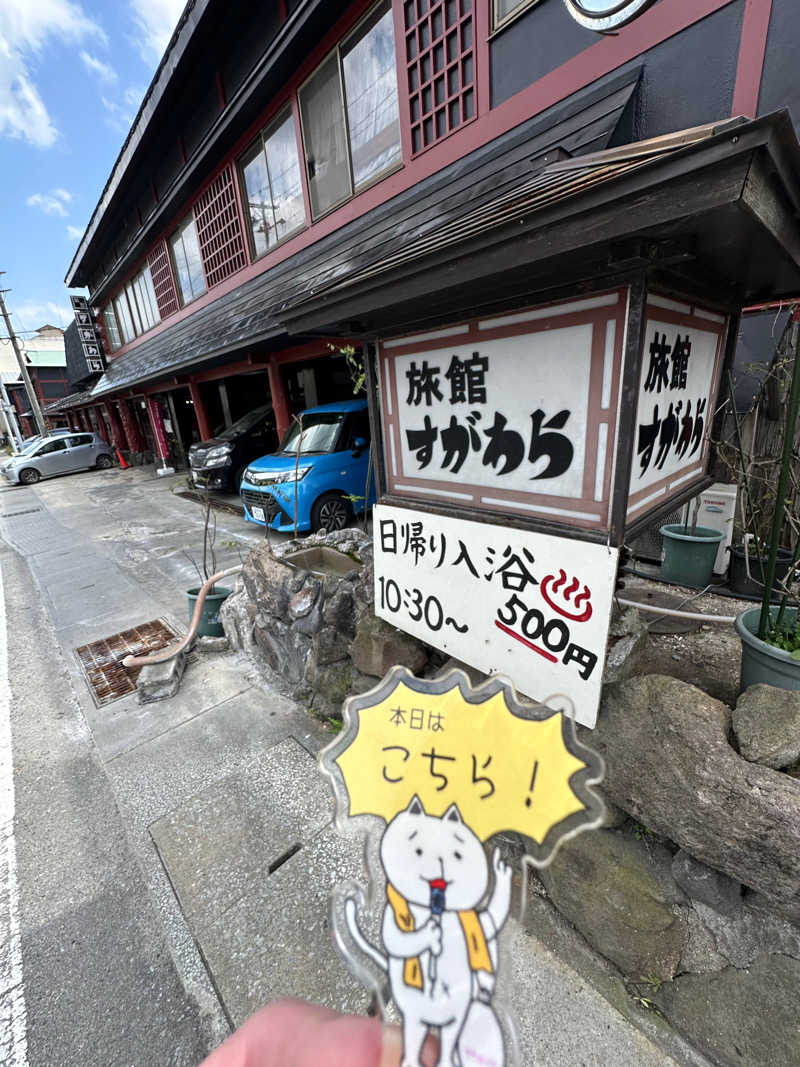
point(291, 1033)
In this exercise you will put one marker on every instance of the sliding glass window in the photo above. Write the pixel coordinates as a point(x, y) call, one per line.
point(111, 328)
point(124, 318)
point(146, 299)
point(351, 124)
point(185, 249)
point(271, 172)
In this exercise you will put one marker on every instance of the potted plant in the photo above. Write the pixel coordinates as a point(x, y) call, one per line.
point(210, 625)
point(770, 633)
point(689, 553)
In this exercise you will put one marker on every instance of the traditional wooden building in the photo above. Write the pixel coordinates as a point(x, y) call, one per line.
point(304, 174)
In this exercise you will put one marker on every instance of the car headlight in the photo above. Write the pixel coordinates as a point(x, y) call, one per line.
point(257, 478)
point(217, 455)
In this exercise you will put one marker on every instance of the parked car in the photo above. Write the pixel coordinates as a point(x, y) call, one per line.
point(59, 454)
point(29, 443)
point(331, 472)
point(220, 462)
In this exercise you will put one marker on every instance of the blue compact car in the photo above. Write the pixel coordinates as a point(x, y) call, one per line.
point(330, 473)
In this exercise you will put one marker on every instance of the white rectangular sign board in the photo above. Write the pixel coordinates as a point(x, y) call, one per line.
point(530, 606)
point(675, 408)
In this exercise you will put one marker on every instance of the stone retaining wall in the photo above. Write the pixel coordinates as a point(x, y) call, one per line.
point(692, 890)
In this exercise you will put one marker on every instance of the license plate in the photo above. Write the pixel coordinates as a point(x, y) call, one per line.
point(195, 477)
point(258, 513)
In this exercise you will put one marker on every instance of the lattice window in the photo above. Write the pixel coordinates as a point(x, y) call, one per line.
point(218, 229)
point(163, 282)
point(439, 43)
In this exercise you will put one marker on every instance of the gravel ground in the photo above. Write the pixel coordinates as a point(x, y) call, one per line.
point(710, 657)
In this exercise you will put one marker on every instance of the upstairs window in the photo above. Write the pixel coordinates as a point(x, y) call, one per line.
point(111, 328)
point(188, 262)
point(350, 117)
point(271, 172)
point(124, 318)
point(145, 297)
point(504, 10)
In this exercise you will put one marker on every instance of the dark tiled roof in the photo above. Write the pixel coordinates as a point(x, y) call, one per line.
point(252, 312)
point(64, 403)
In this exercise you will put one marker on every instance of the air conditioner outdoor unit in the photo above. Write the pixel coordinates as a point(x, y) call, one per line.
point(716, 510)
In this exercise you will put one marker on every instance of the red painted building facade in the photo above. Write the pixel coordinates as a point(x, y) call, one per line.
point(266, 166)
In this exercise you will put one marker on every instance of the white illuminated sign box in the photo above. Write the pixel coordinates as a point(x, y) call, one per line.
point(518, 413)
point(513, 413)
point(530, 606)
point(678, 385)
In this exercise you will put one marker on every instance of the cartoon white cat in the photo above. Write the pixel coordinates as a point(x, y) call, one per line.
point(442, 951)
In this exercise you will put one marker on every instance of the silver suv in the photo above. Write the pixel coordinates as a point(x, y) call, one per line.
point(59, 455)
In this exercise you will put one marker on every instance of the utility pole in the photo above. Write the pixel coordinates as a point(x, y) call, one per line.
point(23, 367)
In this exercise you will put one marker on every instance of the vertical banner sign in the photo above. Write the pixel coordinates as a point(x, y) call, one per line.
point(157, 420)
point(530, 606)
point(512, 413)
point(90, 340)
point(677, 390)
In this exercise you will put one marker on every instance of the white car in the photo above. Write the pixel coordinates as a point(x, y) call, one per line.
point(60, 453)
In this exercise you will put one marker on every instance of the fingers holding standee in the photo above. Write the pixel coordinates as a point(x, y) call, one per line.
point(292, 1033)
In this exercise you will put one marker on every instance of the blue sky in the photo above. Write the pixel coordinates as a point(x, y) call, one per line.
point(72, 76)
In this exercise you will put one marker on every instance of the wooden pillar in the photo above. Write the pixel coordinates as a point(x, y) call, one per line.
point(117, 435)
point(81, 420)
point(102, 429)
point(280, 402)
point(200, 412)
point(157, 422)
point(132, 435)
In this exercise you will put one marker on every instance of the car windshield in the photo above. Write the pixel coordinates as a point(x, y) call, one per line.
point(320, 431)
point(245, 423)
point(28, 445)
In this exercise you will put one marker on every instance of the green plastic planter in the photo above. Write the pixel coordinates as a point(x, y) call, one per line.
point(210, 626)
point(688, 556)
point(763, 664)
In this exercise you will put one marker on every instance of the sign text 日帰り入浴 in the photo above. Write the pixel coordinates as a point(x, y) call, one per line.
point(530, 606)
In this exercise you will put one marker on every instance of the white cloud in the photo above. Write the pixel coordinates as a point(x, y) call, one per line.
point(155, 20)
point(121, 113)
point(51, 203)
point(74, 232)
point(34, 314)
point(104, 71)
point(25, 27)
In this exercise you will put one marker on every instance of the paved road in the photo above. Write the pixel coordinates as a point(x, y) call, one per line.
point(165, 869)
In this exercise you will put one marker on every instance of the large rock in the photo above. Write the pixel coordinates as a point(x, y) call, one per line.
point(618, 891)
point(627, 642)
point(284, 650)
point(237, 615)
point(266, 580)
point(669, 765)
point(378, 646)
point(767, 726)
point(709, 886)
point(744, 1017)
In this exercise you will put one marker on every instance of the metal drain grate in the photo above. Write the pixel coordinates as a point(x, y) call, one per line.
point(101, 661)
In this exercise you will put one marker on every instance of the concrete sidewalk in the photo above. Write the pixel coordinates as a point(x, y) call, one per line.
point(218, 795)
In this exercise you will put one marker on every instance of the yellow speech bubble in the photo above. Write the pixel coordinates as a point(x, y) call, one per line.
point(506, 767)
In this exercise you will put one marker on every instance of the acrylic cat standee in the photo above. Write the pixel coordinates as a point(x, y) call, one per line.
point(436, 769)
